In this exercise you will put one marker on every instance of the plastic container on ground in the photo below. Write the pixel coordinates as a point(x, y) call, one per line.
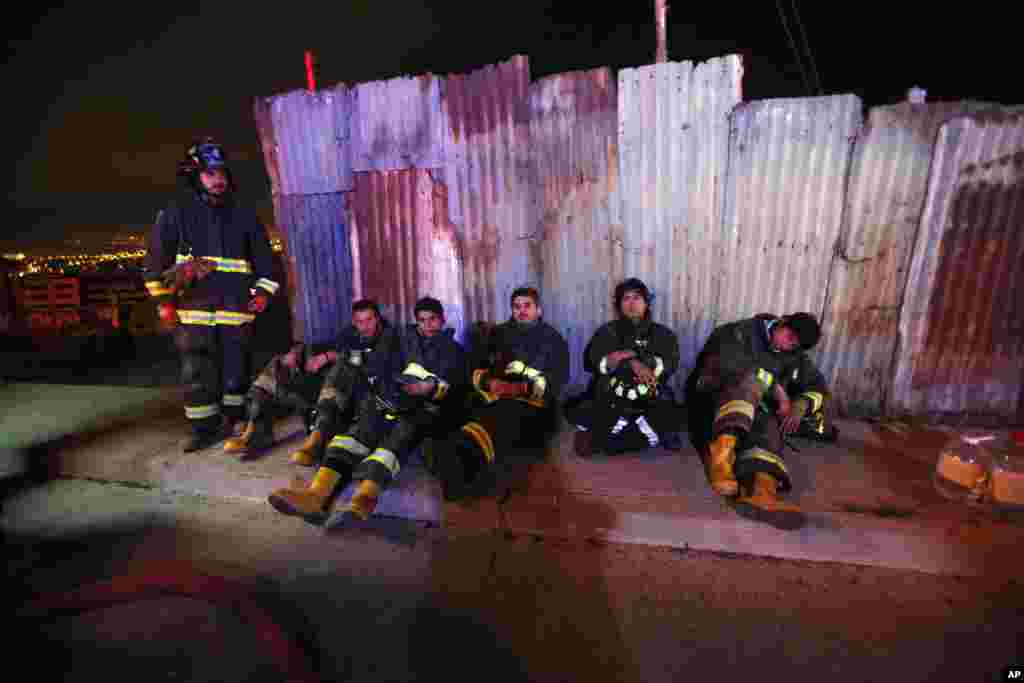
point(964, 467)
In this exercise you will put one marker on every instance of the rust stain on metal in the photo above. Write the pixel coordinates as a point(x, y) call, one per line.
point(976, 307)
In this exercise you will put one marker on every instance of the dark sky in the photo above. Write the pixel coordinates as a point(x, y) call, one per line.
point(102, 102)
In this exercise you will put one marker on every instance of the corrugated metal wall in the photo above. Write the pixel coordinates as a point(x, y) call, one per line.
point(403, 245)
point(492, 193)
point(962, 327)
point(397, 124)
point(788, 164)
point(318, 245)
point(311, 140)
point(673, 147)
point(574, 129)
point(888, 181)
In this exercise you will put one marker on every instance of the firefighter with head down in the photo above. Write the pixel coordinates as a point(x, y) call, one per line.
point(517, 380)
point(753, 386)
point(208, 267)
point(629, 405)
point(421, 398)
point(290, 383)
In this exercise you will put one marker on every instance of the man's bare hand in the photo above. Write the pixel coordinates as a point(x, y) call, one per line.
point(616, 357)
point(794, 414)
point(290, 360)
point(316, 362)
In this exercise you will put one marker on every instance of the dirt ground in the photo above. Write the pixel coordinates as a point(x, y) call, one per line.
point(399, 601)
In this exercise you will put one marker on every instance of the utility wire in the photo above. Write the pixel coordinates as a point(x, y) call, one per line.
point(792, 43)
point(807, 47)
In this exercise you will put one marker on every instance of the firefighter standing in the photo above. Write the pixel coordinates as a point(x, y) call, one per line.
point(517, 382)
point(753, 385)
point(629, 405)
point(208, 267)
point(402, 409)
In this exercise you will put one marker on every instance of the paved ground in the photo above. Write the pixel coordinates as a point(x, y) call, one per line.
point(623, 569)
point(457, 605)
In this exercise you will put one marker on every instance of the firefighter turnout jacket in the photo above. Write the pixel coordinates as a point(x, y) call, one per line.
point(235, 244)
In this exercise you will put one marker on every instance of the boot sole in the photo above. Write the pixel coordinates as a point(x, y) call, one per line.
point(787, 520)
point(284, 507)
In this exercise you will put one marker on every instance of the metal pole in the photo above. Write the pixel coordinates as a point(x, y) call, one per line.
point(661, 52)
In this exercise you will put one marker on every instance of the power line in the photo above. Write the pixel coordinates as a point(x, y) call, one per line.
point(807, 47)
point(792, 43)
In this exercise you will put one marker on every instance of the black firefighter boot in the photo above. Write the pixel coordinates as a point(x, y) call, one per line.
point(205, 433)
point(760, 502)
point(458, 465)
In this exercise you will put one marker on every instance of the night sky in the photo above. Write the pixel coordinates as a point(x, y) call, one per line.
point(103, 99)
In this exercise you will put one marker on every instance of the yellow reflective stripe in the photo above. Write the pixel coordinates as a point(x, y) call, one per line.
point(388, 459)
point(348, 443)
point(156, 288)
point(516, 367)
point(226, 265)
point(764, 377)
point(540, 385)
point(479, 435)
point(442, 390)
point(742, 407)
point(202, 412)
point(758, 453)
point(815, 398)
point(659, 366)
point(478, 376)
point(188, 317)
point(535, 402)
point(268, 285)
point(233, 318)
point(233, 399)
point(416, 370)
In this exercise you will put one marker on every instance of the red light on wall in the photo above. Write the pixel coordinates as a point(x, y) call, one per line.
point(310, 79)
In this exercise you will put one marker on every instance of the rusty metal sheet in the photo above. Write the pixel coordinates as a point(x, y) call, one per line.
point(491, 189)
point(883, 205)
point(310, 145)
point(397, 124)
point(403, 246)
point(962, 327)
point(574, 129)
point(318, 248)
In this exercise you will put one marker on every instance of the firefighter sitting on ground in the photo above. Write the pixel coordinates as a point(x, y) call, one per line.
point(403, 408)
point(629, 405)
point(367, 351)
point(752, 386)
point(517, 382)
point(207, 267)
point(290, 382)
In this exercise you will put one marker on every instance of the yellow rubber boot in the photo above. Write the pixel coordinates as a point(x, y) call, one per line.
point(306, 455)
point(364, 500)
point(240, 444)
point(721, 456)
point(761, 503)
point(309, 503)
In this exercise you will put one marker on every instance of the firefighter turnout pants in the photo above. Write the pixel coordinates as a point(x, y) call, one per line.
point(214, 372)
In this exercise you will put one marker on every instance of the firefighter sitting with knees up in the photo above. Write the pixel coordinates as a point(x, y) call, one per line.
point(517, 386)
point(208, 266)
point(753, 385)
point(365, 355)
point(629, 405)
point(404, 408)
point(290, 382)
